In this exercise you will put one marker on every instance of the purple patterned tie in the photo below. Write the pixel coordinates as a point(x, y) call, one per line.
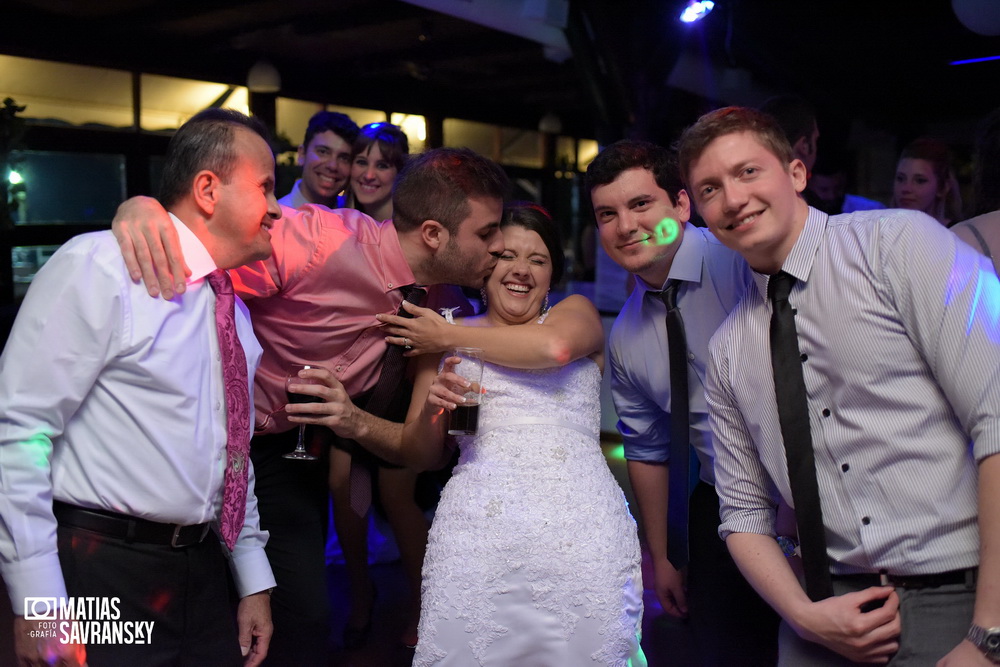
point(234, 375)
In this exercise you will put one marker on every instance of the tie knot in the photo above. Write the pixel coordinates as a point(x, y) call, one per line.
point(780, 286)
point(669, 294)
point(220, 282)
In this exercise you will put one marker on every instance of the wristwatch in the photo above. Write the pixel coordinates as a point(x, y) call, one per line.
point(986, 640)
point(789, 546)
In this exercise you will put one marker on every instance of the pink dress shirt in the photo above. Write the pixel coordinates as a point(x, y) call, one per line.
point(315, 300)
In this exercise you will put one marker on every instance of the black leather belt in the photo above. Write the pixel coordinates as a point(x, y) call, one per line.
point(967, 576)
point(130, 529)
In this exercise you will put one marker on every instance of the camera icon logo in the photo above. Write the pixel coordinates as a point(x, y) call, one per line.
point(41, 609)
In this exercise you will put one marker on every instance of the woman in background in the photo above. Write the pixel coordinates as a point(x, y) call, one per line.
point(379, 152)
point(925, 181)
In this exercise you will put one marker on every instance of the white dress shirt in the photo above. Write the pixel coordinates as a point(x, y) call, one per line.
point(297, 199)
point(114, 400)
point(898, 324)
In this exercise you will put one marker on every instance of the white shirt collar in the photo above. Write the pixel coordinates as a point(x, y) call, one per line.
point(196, 255)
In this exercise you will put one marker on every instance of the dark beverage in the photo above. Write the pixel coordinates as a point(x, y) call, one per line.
point(464, 420)
point(303, 398)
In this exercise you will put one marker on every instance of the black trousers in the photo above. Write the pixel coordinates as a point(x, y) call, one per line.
point(185, 592)
point(293, 500)
point(732, 625)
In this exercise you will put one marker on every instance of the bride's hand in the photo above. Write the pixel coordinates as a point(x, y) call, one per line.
point(448, 388)
point(424, 333)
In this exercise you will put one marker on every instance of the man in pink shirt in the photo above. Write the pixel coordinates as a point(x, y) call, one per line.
point(314, 301)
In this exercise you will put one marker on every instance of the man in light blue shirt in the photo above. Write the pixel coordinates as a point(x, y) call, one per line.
point(642, 216)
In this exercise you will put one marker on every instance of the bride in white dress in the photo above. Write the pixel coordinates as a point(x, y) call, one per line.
point(532, 557)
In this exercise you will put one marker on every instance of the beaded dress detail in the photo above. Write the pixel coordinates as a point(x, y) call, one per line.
point(533, 557)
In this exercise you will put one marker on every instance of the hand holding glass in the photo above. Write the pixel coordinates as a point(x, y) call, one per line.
point(293, 378)
point(464, 418)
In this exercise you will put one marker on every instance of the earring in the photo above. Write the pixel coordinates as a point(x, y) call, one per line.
point(545, 306)
point(482, 294)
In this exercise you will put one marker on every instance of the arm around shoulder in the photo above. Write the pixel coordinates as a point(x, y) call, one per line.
point(571, 330)
point(150, 246)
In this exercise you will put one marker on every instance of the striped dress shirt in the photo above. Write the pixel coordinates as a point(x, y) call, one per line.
point(898, 328)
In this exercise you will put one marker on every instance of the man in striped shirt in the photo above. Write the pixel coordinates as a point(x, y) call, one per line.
point(897, 326)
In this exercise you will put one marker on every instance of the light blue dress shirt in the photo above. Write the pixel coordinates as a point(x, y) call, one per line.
point(898, 323)
point(715, 279)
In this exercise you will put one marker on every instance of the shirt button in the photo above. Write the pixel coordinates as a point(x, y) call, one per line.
point(218, 405)
point(691, 356)
point(390, 285)
point(218, 356)
point(826, 412)
point(845, 467)
point(795, 311)
point(866, 520)
point(803, 357)
point(340, 368)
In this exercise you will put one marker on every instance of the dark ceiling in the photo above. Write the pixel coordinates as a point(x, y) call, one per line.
point(882, 62)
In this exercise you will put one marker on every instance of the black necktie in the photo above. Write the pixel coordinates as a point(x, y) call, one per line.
point(793, 415)
point(680, 434)
point(384, 397)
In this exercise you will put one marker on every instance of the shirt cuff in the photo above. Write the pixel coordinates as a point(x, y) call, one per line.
point(639, 449)
point(760, 522)
point(40, 577)
point(251, 572)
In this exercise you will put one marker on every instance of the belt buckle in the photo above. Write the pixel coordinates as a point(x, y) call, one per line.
point(177, 532)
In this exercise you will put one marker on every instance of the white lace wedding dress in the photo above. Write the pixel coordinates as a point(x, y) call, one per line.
point(533, 558)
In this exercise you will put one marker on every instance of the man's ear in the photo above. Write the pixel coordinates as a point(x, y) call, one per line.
point(433, 234)
point(205, 191)
point(300, 155)
point(798, 173)
point(683, 206)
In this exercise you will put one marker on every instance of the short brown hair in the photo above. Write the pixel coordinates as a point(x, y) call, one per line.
point(438, 184)
point(205, 142)
point(730, 120)
point(627, 154)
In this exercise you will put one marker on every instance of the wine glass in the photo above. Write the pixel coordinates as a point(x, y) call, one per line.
point(300, 452)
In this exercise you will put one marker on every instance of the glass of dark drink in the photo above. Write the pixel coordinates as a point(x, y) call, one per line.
point(464, 418)
point(300, 453)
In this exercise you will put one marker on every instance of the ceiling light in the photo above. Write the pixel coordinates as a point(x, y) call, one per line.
point(263, 77)
point(695, 11)
point(974, 60)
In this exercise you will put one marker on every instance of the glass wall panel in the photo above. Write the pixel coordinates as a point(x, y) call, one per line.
point(507, 145)
point(167, 102)
point(415, 129)
point(359, 116)
point(294, 115)
point(480, 137)
point(58, 188)
point(27, 260)
point(293, 118)
point(58, 93)
point(520, 148)
point(586, 152)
